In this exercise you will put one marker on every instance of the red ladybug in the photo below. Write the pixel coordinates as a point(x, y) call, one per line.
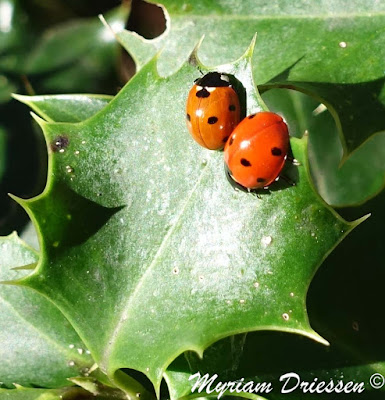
point(213, 110)
point(257, 149)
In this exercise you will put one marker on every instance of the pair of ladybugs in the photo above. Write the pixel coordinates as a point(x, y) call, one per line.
point(255, 148)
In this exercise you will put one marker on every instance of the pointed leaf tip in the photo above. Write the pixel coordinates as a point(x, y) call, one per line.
point(40, 121)
point(193, 58)
point(250, 50)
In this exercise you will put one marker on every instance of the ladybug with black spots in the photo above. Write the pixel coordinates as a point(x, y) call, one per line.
point(256, 151)
point(212, 110)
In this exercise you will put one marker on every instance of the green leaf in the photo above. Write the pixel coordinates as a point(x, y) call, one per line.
point(75, 39)
point(158, 252)
point(29, 321)
point(328, 64)
point(12, 21)
point(362, 174)
point(66, 108)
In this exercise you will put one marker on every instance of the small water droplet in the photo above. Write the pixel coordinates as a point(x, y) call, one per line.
point(87, 272)
point(83, 142)
point(71, 363)
point(285, 316)
point(80, 351)
point(291, 294)
point(71, 346)
point(55, 244)
point(99, 194)
point(256, 284)
point(138, 395)
point(77, 152)
point(88, 352)
point(175, 271)
point(228, 301)
point(147, 369)
point(266, 241)
point(61, 151)
point(69, 169)
point(242, 301)
point(343, 45)
point(312, 234)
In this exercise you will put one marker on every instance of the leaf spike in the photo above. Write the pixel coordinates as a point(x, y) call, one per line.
point(20, 97)
point(88, 384)
point(10, 283)
point(25, 267)
point(109, 27)
point(360, 220)
point(193, 58)
point(315, 336)
point(12, 235)
point(41, 122)
point(250, 50)
point(19, 200)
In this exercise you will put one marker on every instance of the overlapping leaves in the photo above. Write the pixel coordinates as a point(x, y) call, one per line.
point(149, 251)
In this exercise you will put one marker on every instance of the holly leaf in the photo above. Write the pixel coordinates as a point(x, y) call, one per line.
point(328, 64)
point(81, 34)
point(29, 321)
point(149, 251)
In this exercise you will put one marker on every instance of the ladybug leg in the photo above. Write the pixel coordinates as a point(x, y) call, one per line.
point(287, 180)
point(293, 160)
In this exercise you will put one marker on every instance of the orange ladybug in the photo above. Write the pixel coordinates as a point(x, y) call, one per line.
point(213, 110)
point(257, 150)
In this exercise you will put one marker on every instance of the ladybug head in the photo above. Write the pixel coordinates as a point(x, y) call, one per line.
point(214, 79)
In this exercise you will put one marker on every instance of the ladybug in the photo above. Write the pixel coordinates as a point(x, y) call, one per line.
point(257, 150)
point(212, 110)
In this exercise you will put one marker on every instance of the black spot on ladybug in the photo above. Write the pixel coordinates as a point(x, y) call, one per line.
point(203, 93)
point(188, 117)
point(276, 151)
point(212, 120)
point(231, 140)
point(59, 143)
point(245, 163)
point(260, 180)
point(224, 140)
point(251, 116)
point(232, 107)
